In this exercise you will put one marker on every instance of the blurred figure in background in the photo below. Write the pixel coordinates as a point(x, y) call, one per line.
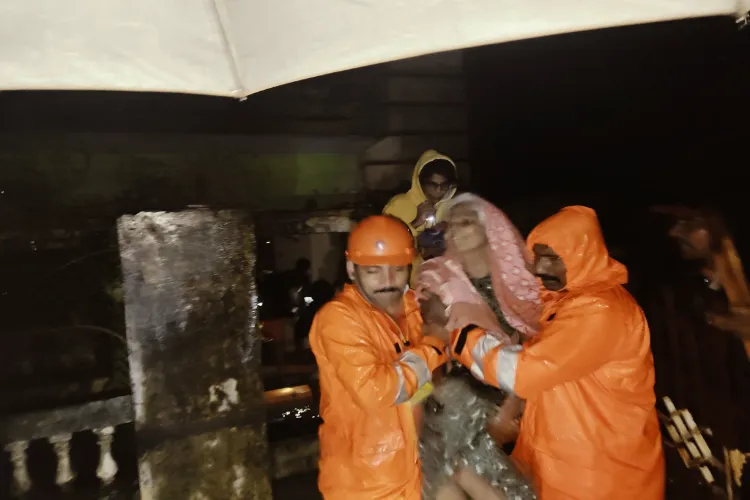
point(276, 319)
point(694, 291)
point(319, 294)
point(298, 282)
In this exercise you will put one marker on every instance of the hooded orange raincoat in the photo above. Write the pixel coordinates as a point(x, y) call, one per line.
point(370, 368)
point(590, 429)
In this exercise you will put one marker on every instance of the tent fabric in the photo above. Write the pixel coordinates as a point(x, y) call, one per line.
point(240, 47)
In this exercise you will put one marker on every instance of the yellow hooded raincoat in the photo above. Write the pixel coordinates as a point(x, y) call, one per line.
point(590, 429)
point(404, 205)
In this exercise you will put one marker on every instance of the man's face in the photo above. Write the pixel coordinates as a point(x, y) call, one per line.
point(435, 187)
point(383, 286)
point(549, 268)
point(464, 232)
point(693, 240)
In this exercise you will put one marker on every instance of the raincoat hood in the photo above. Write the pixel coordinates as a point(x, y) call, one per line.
point(415, 194)
point(575, 235)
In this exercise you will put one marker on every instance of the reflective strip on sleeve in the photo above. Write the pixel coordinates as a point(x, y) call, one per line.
point(403, 395)
point(417, 365)
point(477, 372)
point(506, 366)
point(480, 350)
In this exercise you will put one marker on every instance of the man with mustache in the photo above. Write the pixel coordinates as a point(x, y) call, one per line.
point(374, 367)
point(590, 428)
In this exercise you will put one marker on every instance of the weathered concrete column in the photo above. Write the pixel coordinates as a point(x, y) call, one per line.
point(190, 305)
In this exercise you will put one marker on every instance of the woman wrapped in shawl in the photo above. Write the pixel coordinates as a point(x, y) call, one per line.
point(482, 280)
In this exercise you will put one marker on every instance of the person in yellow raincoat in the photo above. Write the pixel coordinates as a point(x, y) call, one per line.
point(433, 182)
point(590, 429)
point(374, 367)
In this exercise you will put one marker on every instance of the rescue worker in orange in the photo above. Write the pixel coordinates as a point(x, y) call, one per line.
point(374, 367)
point(590, 429)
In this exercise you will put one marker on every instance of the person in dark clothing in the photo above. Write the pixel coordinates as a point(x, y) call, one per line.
point(320, 292)
point(699, 367)
point(298, 282)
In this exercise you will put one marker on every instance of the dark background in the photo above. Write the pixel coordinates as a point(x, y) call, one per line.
point(616, 119)
point(633, 109)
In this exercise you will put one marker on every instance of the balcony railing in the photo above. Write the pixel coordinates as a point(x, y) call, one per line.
point(286, 406)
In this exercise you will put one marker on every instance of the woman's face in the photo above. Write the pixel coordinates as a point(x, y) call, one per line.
point(464, 233)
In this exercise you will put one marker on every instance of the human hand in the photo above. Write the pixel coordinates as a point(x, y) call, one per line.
point(505, 426)
point(437, 331)
point(432, 308)
point(503, 430)
point(737, 321)
point(424, 210)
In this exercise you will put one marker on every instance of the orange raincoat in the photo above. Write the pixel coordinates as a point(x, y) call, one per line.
point(590, 429)
point(369, 367)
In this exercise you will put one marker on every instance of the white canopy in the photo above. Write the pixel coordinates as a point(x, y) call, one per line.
point(239, 47)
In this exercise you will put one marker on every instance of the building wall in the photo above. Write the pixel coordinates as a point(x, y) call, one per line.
point(323, 143)
point(424, 104)
point(60, 189)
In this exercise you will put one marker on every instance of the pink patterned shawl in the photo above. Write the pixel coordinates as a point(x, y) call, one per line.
point(515, 287)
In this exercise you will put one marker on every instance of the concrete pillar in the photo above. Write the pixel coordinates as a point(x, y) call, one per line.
point(190, 305)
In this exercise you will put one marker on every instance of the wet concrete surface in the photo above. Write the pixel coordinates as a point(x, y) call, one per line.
point(299, 487)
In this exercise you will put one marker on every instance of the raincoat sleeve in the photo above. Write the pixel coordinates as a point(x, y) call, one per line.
point(478, 350)
point(371, 381)
point(403, 209)
point(574, 344)
point(582, 338)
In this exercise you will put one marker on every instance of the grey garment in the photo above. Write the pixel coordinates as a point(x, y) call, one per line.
point(484, 287)
point(454, 436)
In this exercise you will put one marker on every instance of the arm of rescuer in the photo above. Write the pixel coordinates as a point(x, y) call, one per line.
point(576, 343)
point(371, 382)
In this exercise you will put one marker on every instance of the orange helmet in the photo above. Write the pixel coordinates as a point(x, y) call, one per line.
point(381, 240)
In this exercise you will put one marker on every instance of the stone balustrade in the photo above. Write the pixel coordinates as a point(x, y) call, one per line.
point(287, 457)
point(58, 426)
